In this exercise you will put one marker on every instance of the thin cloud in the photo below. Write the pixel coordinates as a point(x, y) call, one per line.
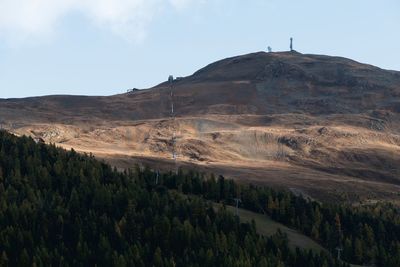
point(36, 19)
point(182, 4)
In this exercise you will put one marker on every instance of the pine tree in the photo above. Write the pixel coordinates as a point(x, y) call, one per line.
point(358, 250)
point(4, 259)
point(24, 259)
point(157, 258)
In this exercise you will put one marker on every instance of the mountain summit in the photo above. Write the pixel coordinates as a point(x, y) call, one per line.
point(328, 127)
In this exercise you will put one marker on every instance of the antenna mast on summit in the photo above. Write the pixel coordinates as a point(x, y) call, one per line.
point(291, 44)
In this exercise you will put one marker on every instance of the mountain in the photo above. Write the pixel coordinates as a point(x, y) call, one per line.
point(326, 127)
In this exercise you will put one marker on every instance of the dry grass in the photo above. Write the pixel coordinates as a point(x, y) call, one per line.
point(267, 227)
point(323, 161)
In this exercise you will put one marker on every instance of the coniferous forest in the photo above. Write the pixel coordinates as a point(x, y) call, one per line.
point(61, 208)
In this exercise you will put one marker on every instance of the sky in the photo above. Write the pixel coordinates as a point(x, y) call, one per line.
point(104, 47)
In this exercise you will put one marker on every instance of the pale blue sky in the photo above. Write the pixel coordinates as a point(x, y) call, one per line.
point(104, 47)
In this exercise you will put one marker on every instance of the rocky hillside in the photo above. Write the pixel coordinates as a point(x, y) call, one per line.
point(328, 127)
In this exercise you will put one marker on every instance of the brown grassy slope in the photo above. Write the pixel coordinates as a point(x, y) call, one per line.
point(324, 126)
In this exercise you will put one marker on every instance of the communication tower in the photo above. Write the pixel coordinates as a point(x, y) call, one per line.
point(291, 44)
point(173, 139)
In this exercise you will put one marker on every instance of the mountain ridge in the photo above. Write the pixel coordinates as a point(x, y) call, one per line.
point(319, 124)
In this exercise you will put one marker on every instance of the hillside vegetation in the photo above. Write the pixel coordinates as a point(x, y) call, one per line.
point(65, 209)
point(60, 208)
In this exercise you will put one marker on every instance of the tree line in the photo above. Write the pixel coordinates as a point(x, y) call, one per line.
point(365, 234)
point(61, 208)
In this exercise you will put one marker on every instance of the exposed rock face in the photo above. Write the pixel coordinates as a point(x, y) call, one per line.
point(327, 126)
